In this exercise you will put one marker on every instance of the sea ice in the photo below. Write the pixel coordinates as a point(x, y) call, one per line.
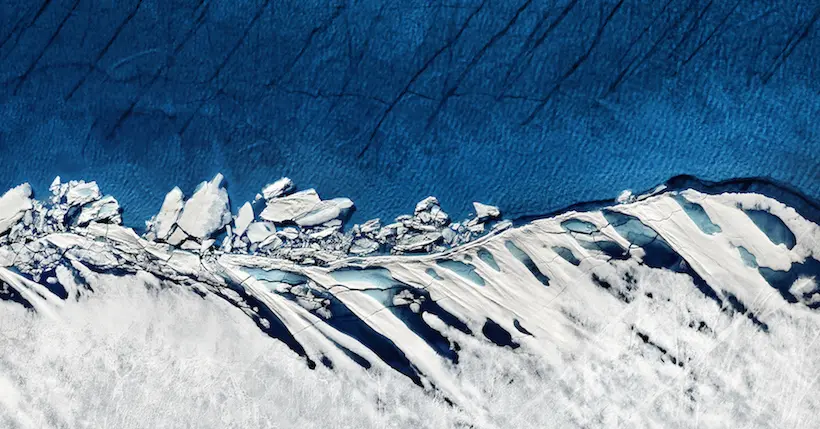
point(207, 211)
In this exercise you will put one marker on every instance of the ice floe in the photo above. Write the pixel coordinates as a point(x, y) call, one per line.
point(207, 211)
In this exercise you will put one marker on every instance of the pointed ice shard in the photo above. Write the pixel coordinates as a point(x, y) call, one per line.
point(243, 219)
point(168, 213)
point(207, 211)
point(13, 205)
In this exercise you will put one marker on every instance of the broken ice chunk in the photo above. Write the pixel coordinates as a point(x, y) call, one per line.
point(259, 231)
point(426, 204)
point(406, 298)
point(190, 245)
point(485, 212)
point(335, 223)
point(363, 246)
point(168, 213)
point(287, 209)
point(80, 193)
point(13, 204)
point(207, 211)
point(475, 226)
point(417, 242)
point(439, 216)
point(370, 226)
point(106, 209)
point(277, 189)
point(206, 244)
point(176, 237)
point(323, 233)
point(289, 233)
point(448, 235)
point(325, 211)
point(625, 197)
point(243, 219)
point(272, 241)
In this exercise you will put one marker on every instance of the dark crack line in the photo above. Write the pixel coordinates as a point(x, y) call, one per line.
point(17, 26)
point(629, 69)
point(690, 30)
point(319, 94)
point(104, 50)
point(646, 29)
point(356, 63)
point(33, 20)
point(51, 40)
point(225, 61)
point(309, 41)
point(529, 53)
point(714, 31)
point(790, 47)
point(473, 62)
point(416, 76)
point(578, 62)
point(144, 89)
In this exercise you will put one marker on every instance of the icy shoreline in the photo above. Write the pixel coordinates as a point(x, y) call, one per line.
point(713, 265)
point(297, 225)
point(281, 222)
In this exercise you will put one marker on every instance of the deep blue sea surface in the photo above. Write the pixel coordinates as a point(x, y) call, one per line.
point(528, 105)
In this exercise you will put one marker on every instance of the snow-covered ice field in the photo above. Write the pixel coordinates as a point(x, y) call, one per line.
point(681, 309)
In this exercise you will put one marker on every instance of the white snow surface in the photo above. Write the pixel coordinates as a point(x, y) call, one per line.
point(552, 330)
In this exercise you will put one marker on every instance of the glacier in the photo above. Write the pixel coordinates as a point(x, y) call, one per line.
point(692, 305)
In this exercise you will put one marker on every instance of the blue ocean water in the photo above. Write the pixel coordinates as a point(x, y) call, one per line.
point(528, 105)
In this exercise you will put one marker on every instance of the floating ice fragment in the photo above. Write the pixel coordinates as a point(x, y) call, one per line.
point(271, 241)
point(207, 211)
point(363, 246)
point(485, 212)
point(278, 189)
point(625, 197)
point(323, 232)
point(287, 209)
point(289, 233)
point(370, 226)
